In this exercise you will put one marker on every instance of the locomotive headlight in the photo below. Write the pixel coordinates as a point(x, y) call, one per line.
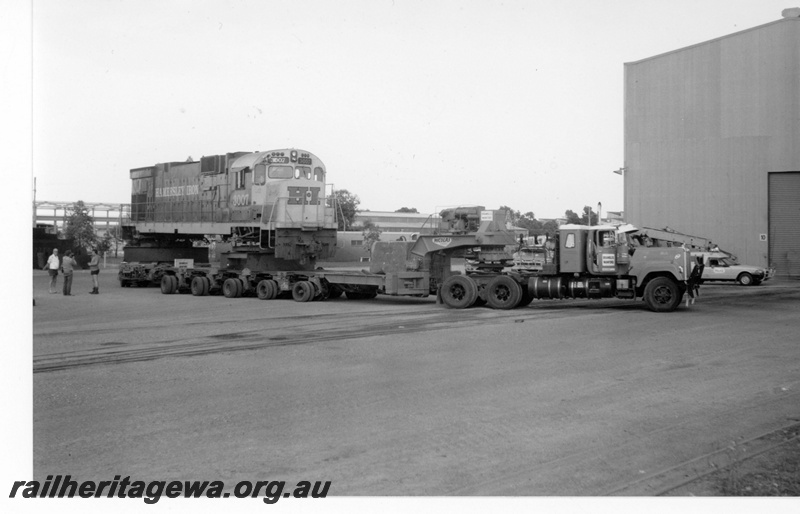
point(293, 155)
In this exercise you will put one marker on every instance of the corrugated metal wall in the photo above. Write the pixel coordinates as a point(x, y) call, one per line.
point(784, 223)
point(704, 126)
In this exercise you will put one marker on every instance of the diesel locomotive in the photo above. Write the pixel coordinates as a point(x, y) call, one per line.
point(272, 207)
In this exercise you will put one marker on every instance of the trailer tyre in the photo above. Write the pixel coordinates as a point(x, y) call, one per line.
point(503, 293)
point(232, 288)
point(199, 286)
point(168, 286)
point(265, 290)
point(662, 295)
point(303, 292)
point(459, 292)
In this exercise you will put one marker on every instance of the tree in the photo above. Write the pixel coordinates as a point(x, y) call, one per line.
point(512, 216)
point(550, 228)
point(115, 233)
point(103, 245)
point(371, 234)
point(80, 226)
point(572, 218)
point(589, 216)
point(346, 208)
point(412, 210)
point(529, 222)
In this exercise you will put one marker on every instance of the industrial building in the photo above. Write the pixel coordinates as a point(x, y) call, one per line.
point(712, 142)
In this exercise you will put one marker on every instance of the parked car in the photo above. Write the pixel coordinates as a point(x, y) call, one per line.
point(720, 267)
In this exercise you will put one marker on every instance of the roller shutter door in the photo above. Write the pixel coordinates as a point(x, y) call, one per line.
point(784, 223)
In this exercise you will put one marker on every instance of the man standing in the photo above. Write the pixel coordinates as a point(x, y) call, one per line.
point(52, 268)
point(94, 267)
point(68, 267)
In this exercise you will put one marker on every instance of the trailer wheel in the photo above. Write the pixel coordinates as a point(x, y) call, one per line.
point(662, 295)
point(459, 292)
point(167, 285)
point(232, 288)
point(265, 290)
point(503, 293)
point(303, 292)
point(199, 287)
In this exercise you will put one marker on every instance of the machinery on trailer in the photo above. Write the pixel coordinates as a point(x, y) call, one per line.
point(272, 207)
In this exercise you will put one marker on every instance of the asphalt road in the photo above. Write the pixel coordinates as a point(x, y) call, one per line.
point(400, 396)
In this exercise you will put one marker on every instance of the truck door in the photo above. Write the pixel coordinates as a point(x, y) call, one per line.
point(604, 258)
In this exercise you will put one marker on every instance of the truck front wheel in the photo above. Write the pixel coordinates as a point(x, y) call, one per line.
point(662, 295)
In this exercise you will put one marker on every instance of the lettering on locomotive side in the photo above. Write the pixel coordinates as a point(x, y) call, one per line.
point(239, 199)
point(299, 195)
point(170, 191)
point(441, 241)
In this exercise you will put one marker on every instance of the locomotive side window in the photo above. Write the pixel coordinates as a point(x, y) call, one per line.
point(281, 172)
point(570, 242)
point(319, 175)
point(260, 174)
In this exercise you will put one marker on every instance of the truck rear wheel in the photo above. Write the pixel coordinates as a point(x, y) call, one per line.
point(303, 292)
point(503, 293)
point(662, 295)
point(459, 292)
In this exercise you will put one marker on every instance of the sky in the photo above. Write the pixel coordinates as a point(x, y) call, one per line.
point(409, 103)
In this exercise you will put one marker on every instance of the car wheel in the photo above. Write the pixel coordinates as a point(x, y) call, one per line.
point(746, 279)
